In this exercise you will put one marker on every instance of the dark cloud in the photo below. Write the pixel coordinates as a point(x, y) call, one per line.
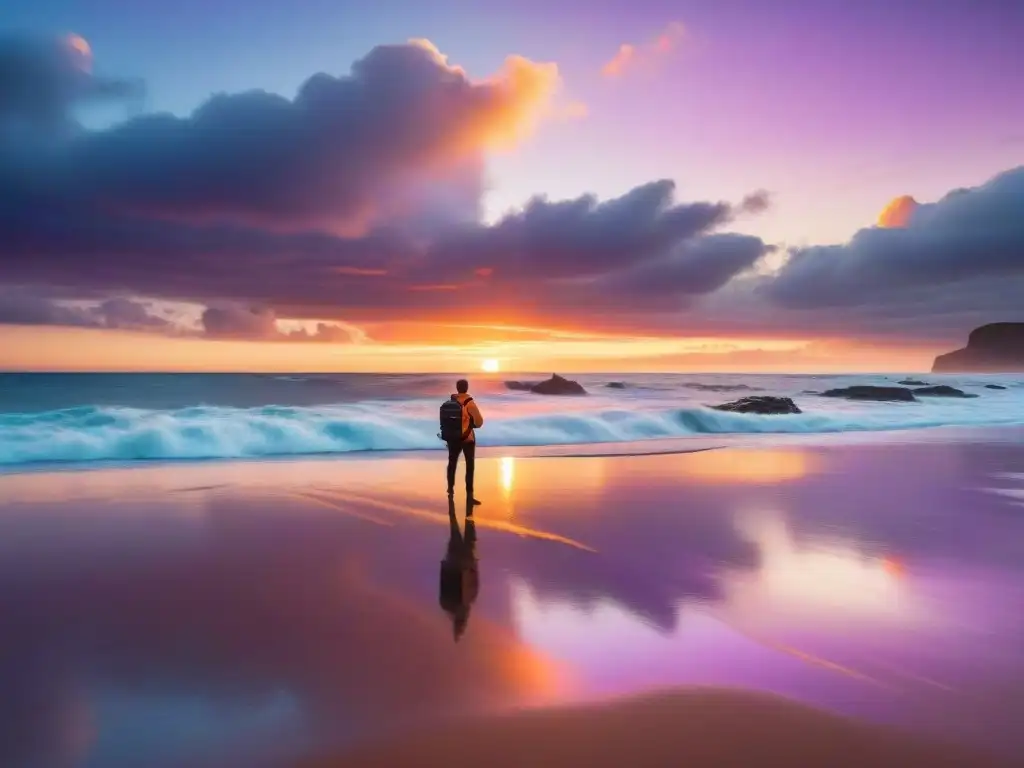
point(522, 261)
point(20, 307)
point(698, 267)
point(23, 308)
point(127, 314)
point(756, 202)
point(327, 158)
point(967, 235)
point(251, 202)
point(42, 79)
point(582, 237)
point(260, 324)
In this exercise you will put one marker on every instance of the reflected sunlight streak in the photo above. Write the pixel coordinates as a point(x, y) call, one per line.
point(765, 466)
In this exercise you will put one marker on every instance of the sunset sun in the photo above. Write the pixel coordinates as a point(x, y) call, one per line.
point(490, 365)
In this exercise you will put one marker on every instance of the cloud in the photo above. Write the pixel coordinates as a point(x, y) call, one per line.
point(969, 235)
point(127, 314)
point(260, 324)
point(898, 212)
point(42, 79)
point(325, 159)
point(20, 307)
point(699, 267)
point(756, 202)
point(580, 237)
point(630, 57)
point(247, 203)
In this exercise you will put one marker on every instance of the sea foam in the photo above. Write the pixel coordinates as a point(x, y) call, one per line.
point(92, 433)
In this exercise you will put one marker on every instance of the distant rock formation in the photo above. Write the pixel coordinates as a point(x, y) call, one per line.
point(762, 404)
point(721, 387)
point(994, 386)
point(868, 392)
point(616, 385)
point(912, 383)
point(556, 385)
point(994, 347)
point(940, 390)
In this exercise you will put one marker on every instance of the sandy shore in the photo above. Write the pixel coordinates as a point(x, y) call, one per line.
point(692, 727)
point(856, 597)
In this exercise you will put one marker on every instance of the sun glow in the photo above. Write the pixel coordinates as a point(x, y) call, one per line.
point(490, 365)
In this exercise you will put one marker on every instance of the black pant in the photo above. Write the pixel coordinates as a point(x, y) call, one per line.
point(454, 449)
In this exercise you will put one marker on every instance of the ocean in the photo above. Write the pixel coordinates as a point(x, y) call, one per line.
point(101, 417)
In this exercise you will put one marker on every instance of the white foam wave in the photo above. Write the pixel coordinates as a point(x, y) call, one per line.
point(91, 433)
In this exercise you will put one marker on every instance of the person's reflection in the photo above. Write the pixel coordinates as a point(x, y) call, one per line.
point(460, 576)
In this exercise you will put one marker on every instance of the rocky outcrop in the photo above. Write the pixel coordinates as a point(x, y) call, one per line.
point(913, 383)
point(869, 392)
point(994, 347)
point(762, 404)
point(994, 386)
point(556, 385)
point(616, 385)
point(941, 390)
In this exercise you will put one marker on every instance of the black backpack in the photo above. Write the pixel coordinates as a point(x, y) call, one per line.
point(451, 421)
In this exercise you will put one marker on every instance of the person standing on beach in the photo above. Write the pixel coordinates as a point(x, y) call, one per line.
point(465, 443)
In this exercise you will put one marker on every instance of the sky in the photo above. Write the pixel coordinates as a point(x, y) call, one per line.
point(400, 186)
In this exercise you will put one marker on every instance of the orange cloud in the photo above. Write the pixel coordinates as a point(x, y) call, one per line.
point(81, 52)
point(618, 63)
point(898, 212)
point(630, 56)
point(511, 102)
point(523, 90)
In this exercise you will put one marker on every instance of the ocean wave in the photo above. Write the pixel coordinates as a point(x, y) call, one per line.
point(92, 433)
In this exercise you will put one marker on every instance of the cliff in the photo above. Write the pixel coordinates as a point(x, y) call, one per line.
point(994, 347)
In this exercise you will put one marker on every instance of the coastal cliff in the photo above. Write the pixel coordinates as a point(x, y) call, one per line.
point(993, 347)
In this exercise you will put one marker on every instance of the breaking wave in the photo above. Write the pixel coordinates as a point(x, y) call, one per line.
point(92, 433)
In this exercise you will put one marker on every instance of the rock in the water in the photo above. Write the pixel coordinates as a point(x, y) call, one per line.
point(941, 390)
point(616, 385)
point(557, 385)
point(869, 392)
point(994, 386)
point(993, 347)
point(519, 386)
point(913, 383)
point(760, 404)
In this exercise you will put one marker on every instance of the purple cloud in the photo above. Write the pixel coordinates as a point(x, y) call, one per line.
point(968, 234)
point(260, 324)
point(20, 307)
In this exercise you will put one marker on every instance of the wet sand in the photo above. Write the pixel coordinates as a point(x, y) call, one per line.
point(687, 727)
point(265, 613)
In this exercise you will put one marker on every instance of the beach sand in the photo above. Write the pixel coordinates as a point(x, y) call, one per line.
point(702, 727)
point(749, 605)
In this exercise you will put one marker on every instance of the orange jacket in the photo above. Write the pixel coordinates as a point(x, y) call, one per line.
point(468, 413)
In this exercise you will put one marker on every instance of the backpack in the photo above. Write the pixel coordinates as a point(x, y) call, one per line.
point(451, 421)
